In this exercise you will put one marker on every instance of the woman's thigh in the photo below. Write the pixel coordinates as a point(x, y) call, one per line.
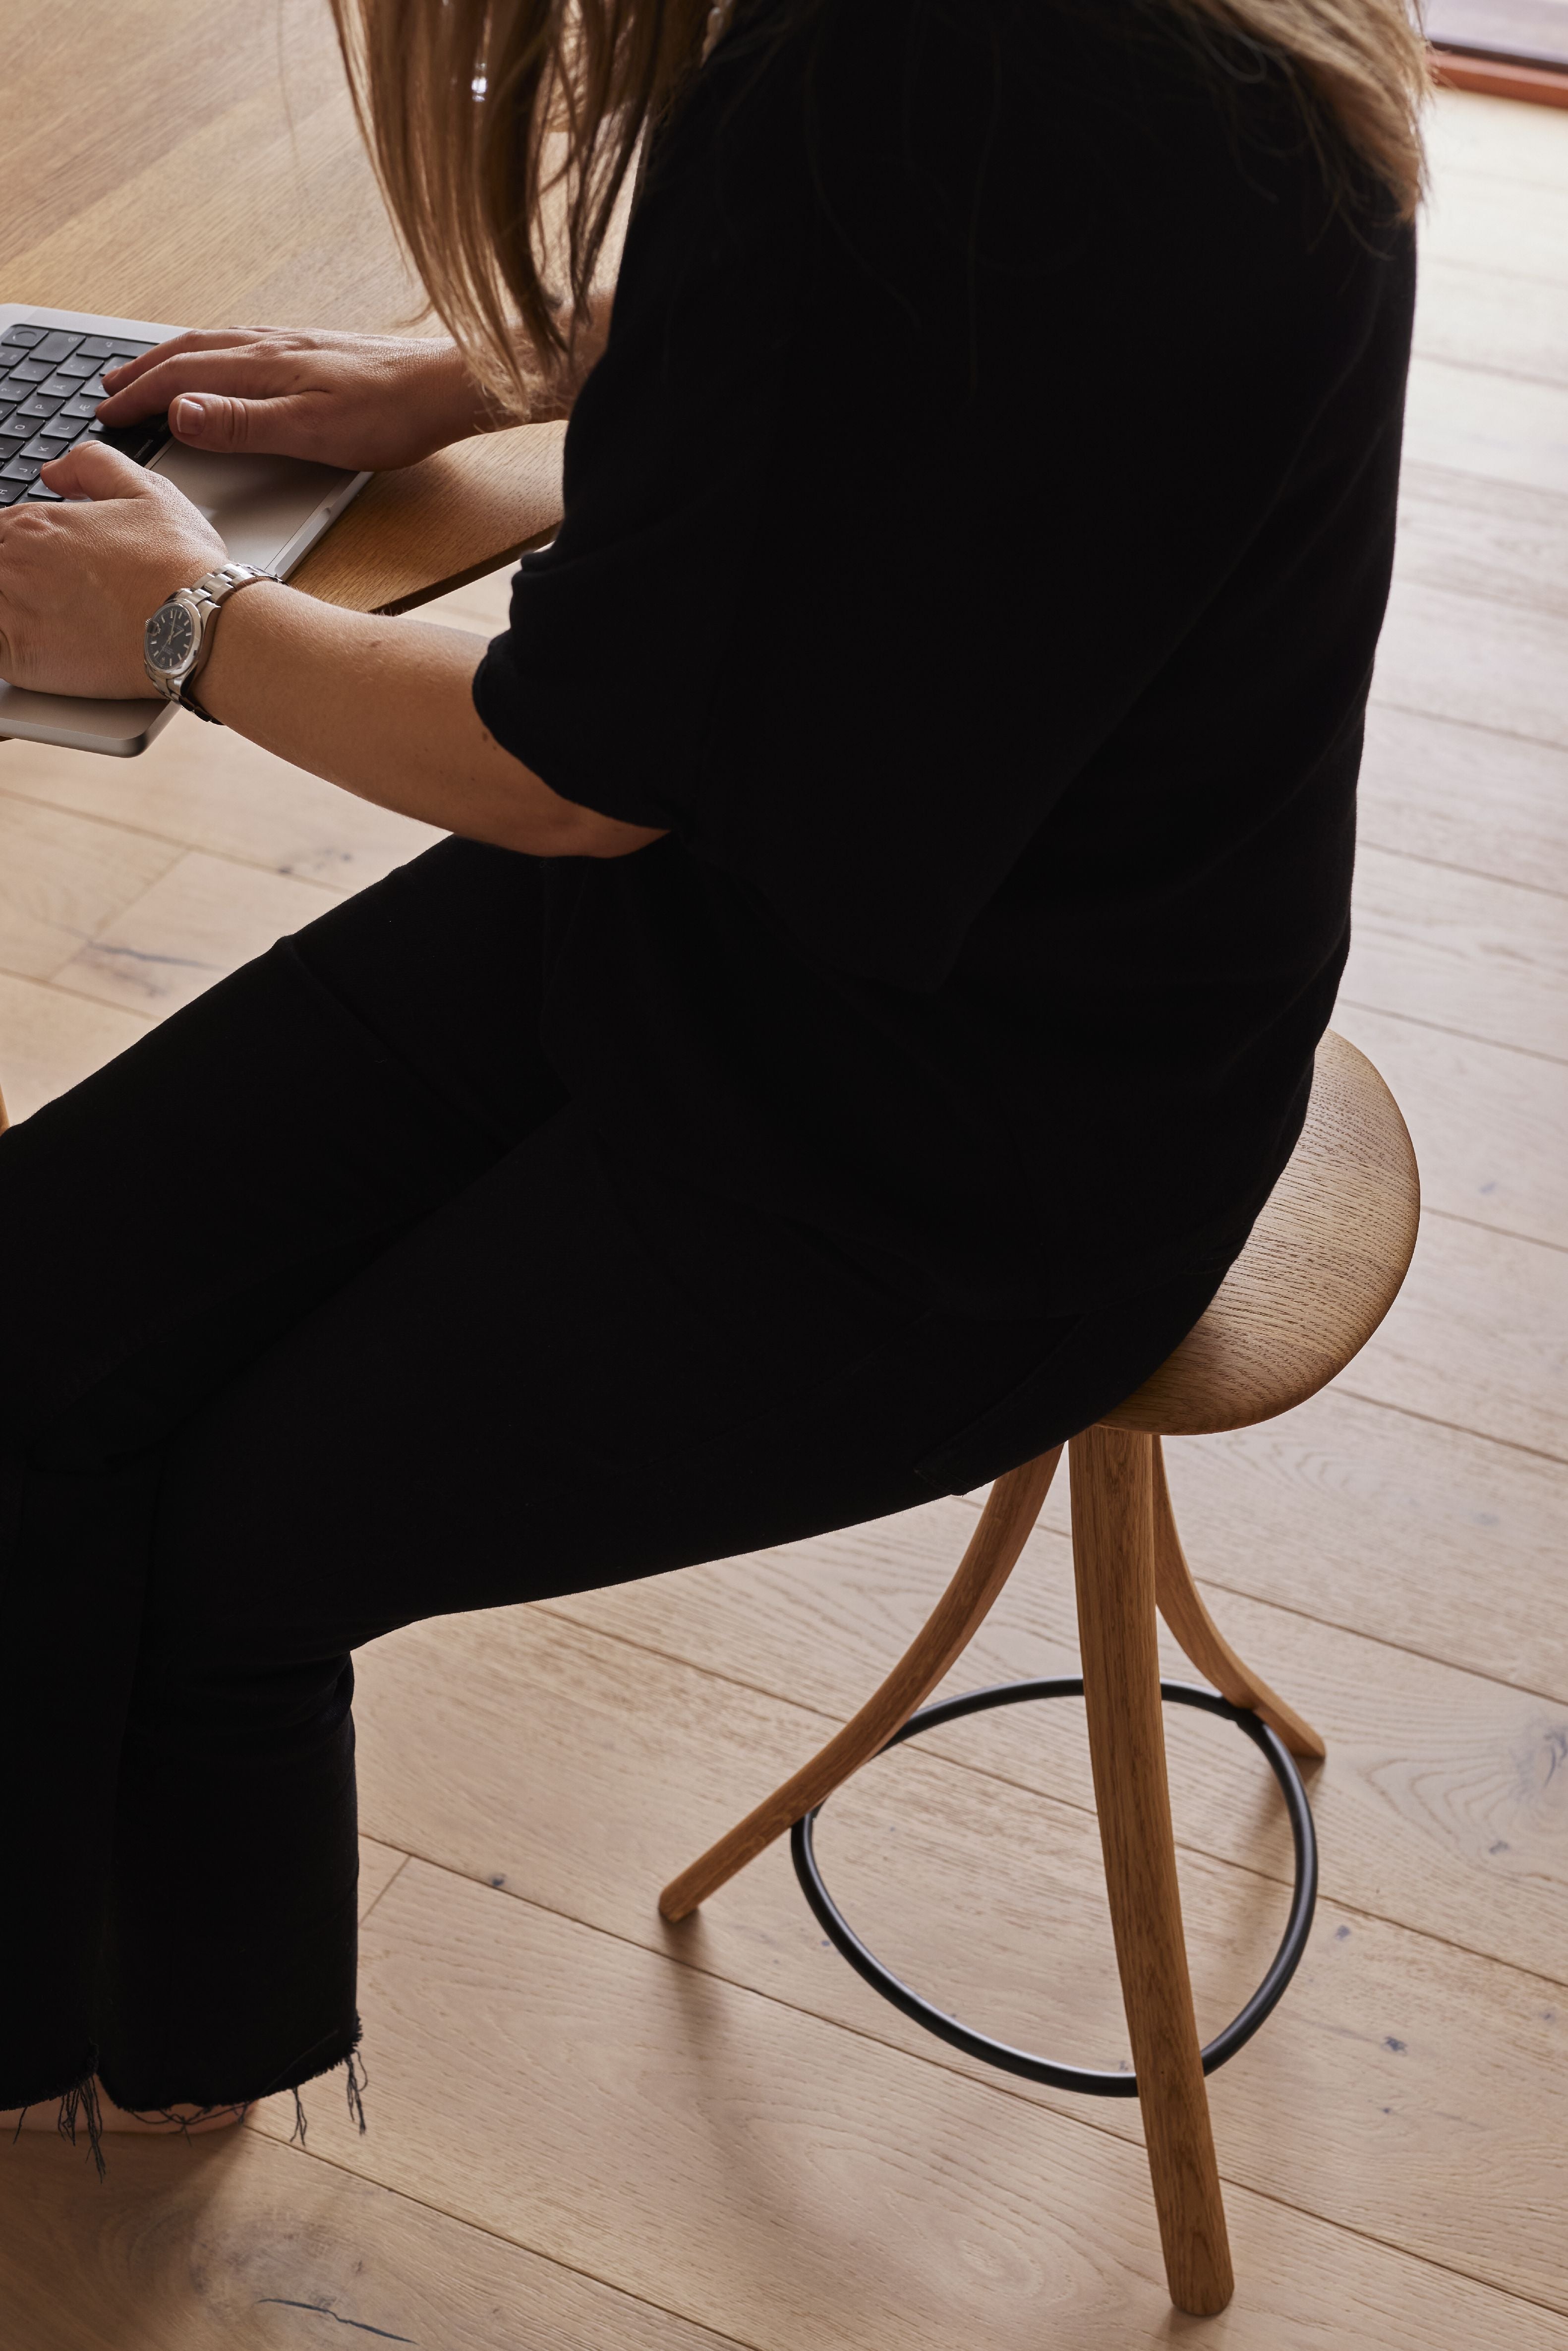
point(573, 1373)
point(167, 1216)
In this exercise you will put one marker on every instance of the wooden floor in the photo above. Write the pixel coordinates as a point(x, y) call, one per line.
point(591, 2132)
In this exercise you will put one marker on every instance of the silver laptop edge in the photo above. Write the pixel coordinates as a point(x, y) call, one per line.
point(270, 511)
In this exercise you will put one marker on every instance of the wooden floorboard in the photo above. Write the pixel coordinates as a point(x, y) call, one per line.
point(582, 1772)
point(1440, 1805)
point(1454, 794)
point(238, 2242)
point(788, 2183)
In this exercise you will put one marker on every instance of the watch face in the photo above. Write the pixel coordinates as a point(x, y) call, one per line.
point(170, 638)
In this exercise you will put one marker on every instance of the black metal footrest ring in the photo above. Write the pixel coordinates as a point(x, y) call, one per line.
point(1224, 2045)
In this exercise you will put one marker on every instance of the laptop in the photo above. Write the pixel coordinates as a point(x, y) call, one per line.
point(269, 511)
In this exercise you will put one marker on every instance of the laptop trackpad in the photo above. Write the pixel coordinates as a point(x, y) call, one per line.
point(257, 504)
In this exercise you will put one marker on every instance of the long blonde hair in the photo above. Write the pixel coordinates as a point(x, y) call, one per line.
point(504, 133)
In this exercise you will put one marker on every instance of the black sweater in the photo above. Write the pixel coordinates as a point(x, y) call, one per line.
point(976, 537)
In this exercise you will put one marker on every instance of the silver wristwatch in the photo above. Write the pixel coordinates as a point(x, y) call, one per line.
point(178, 640)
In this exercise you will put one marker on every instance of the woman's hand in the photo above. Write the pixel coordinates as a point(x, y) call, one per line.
point(365, 401)
point(79, 582)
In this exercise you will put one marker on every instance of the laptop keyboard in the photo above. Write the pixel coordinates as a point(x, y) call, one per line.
point(50, 382)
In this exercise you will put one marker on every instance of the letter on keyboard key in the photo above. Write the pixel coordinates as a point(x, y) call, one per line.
point(21, 469)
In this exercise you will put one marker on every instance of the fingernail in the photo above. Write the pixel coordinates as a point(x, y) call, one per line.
point(188, 414)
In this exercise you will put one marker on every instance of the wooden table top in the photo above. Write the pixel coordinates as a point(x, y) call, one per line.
point(202, 163)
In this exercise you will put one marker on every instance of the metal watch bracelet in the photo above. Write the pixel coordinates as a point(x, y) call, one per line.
point(202, 601)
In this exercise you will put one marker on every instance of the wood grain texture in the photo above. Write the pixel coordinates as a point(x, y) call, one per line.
point(1378, 1523)
point(204, 917)
point(1405, 2087)
point(291, 225)
point(1472, 658)
point(1500, 540)
point(414, 535)
point(990, 1556)
point(1484, 959)
point(239, 2243)
point(378, 1865)
point(63, 878)
point(228, 796)
point(1185, 1612)
point(1113, 1563)
point(1321, 1269)
point(1451, 794)
point(1441, 1805)
point(50, 1039)
point(774, 2178)
point(1489, 1126)
point(1475, 420)
point(1521, 323)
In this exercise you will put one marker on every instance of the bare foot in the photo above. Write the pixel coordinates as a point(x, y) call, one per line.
point(182, 2121)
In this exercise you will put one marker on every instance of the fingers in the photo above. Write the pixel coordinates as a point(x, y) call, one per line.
point(126, 372)
point(238, 369)
point(212, 421)
point(92, 471)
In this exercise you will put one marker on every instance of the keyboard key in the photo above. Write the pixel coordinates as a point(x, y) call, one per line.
point(94, 347)
point(57, 345)
point(38, 407)
point(77, 365)
point(11, 491)
point(61, 428)
point(61, 387)
point(26, 336)
point(38, 496)
point(40, 448)
point(130, 350)
point(21, 469)
point(91, 390)
point(83, 405)
point(29, 371)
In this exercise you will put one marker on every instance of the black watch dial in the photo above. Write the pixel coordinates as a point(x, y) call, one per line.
point(170, 638)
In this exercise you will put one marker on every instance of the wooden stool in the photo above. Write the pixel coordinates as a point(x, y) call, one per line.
point(1323, 1267)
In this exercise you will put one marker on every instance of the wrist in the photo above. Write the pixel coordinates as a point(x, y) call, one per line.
point(462, 406)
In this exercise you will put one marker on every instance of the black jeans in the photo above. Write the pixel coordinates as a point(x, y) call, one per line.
point(323, 1311)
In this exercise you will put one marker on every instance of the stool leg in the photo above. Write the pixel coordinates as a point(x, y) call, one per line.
point(1011, 1509)
point(1181, 1606)
point(1113, 1560)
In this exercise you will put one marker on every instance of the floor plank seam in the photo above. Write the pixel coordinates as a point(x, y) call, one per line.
point(1445, 1029)
point(1503, 1232)
point(519, 2244)
point(392, 1881)
point(1282, 1880)
point(1460, 1427)
point(997, 2083)
point(1420, 350)
point(22, 798)
point(1471, 725)
point(1452, 865)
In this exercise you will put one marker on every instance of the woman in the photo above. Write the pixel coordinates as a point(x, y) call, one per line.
point(902, 867)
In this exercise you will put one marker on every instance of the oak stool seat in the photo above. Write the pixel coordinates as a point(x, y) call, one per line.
point(1323, 1266)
